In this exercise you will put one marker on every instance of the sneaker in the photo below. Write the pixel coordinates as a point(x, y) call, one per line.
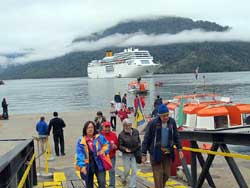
point(63, 154)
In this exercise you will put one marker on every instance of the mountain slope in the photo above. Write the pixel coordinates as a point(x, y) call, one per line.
point(175, 58)
point(171, 25)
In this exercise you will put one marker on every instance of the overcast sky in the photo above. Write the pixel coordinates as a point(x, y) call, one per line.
point(45, 28)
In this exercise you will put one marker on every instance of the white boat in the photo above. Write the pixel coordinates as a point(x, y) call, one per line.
point(130, 63)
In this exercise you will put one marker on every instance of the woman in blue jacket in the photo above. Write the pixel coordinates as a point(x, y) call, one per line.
point(89, 148)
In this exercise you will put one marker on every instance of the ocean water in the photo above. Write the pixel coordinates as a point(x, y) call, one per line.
point(73, 94)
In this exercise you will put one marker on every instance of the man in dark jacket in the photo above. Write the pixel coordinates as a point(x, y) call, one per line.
point(124, 99)
point(160, 137)
point(118, 101)
point(157, 103)
point(58, 125)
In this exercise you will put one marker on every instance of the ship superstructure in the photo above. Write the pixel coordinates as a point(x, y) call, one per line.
point(129, 63)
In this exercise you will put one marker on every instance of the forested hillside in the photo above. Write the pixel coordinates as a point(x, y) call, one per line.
point(171, 25)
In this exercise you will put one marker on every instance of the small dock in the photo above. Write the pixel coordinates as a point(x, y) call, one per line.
point(20, 160)
point(215, 167)
point(70, 178)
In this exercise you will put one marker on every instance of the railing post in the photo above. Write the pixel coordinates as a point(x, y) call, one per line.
point(47, 174)
point(49, 156)
point(234, 168)
point(33, 169)
point(193, 164)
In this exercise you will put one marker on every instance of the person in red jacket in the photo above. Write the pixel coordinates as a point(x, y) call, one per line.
point(123, 113)
point(142, 101)
point(136, 101)
point(113, 140)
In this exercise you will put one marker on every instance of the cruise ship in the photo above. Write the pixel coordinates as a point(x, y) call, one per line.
point(130, 63)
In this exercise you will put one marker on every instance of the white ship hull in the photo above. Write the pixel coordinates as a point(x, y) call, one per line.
point(122, 70)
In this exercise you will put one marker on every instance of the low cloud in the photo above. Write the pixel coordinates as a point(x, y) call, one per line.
point(136, 40)
point(142, 39)
point(3, 61)
point(48, 27)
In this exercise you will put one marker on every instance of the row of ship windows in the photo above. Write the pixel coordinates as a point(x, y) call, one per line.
point(144, 62)
point(110, 68)
point(123, 59)
point(132, 56)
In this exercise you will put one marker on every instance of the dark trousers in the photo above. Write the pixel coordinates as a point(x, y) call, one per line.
point(89, 180)
point(161, 171)
point(5, 114)
point(91, 170)
point(113, 122)
point(58, 138)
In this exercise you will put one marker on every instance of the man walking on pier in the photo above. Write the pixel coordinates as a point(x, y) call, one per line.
point(58, 125)
point(160, 137)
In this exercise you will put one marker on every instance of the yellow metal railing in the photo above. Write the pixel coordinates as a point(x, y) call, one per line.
point(224, 154)
point(45, 152)
point(26, 172)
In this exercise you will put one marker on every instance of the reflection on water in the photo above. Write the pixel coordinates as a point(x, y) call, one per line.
point(73, 94)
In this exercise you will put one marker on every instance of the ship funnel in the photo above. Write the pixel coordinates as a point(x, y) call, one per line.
point(109, 53)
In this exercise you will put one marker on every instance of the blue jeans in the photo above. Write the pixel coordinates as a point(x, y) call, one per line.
point(112, 174)
point(129, 162)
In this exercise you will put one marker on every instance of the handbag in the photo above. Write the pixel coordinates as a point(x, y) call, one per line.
point(138, 156)
point(106, 162)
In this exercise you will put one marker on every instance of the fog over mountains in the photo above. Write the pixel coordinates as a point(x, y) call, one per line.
point(180, 44)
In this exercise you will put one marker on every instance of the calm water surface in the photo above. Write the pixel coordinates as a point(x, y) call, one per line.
point(72, 94)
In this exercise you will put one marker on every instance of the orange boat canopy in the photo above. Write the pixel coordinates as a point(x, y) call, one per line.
point(196, 96)
point(193, 108)
point(213, 111)
point(172, 106)
point(244, 108)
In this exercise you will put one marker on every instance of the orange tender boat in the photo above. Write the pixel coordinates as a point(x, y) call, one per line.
point(138, 87)
point(210, 111)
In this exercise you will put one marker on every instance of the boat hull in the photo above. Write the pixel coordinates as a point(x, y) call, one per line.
point(236, 129)
point(137, 91)
point(122, 70)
